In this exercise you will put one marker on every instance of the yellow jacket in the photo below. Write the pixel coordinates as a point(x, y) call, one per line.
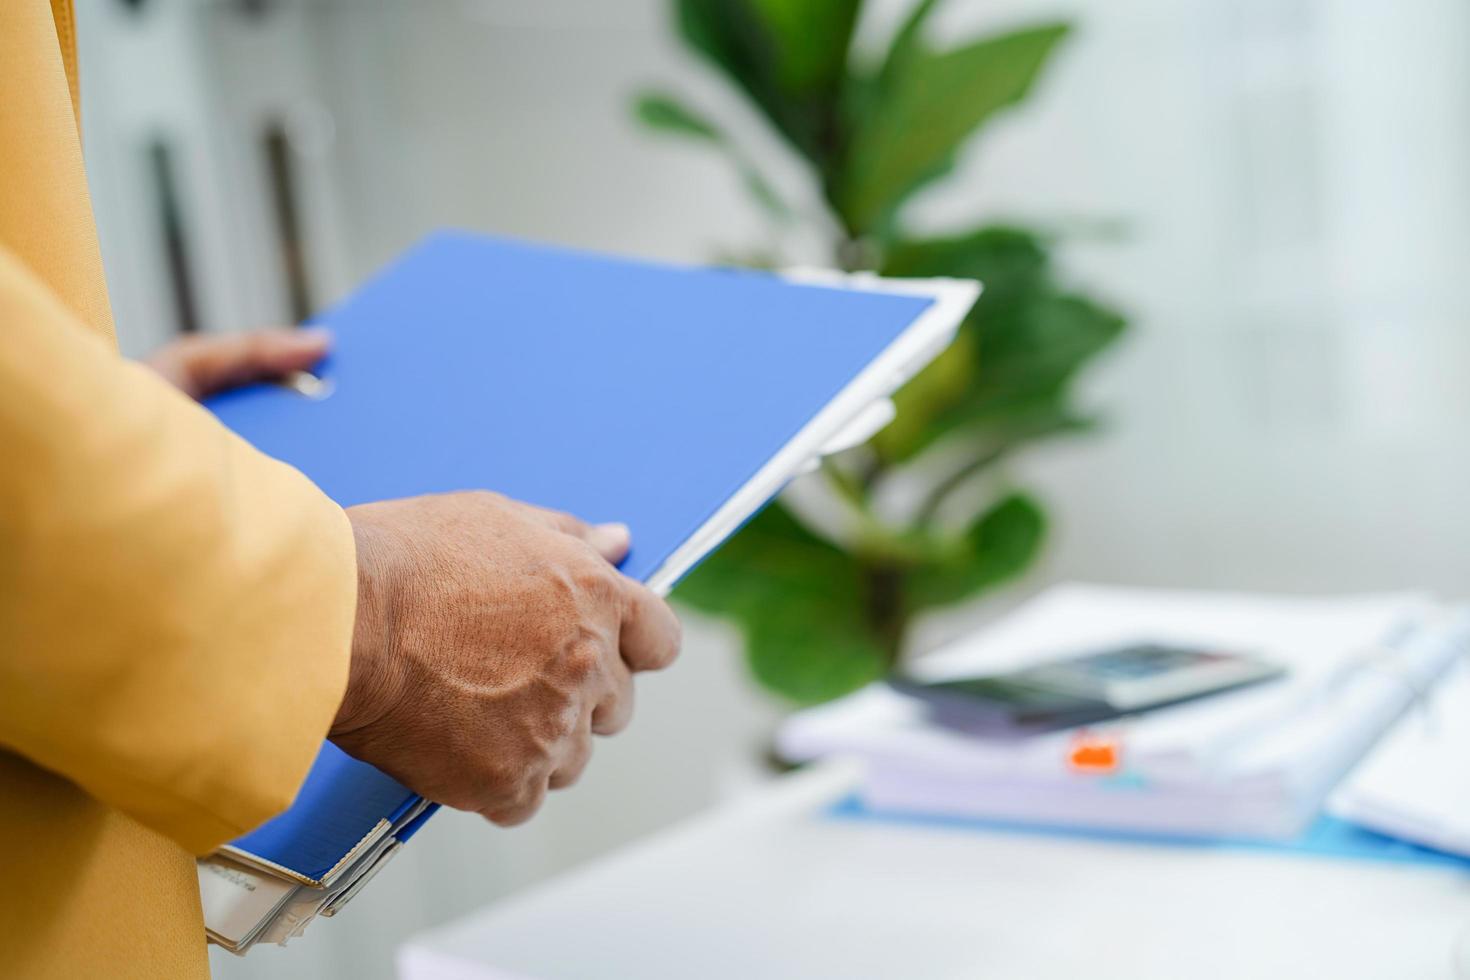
point(175, 608)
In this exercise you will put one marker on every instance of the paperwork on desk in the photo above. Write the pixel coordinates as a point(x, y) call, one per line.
point(1415, 784)
point(1257, 762)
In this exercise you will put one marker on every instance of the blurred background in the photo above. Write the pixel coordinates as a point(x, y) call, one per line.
point(1273, 194)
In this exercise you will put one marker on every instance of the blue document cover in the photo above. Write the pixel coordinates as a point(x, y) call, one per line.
point(614, 389)
point(339, 808)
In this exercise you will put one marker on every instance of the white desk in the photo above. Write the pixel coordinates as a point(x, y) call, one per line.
point(771, 888)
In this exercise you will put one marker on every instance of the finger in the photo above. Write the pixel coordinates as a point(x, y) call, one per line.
point(215, 363)
point(513, 814)
point(578, 755)
point(555, 519)
point(651, 633)
point(615, 711)
point(611, 541)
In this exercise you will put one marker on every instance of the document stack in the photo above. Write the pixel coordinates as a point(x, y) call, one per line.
point(1415, 784)
point(1254, 763)
point(675, 400)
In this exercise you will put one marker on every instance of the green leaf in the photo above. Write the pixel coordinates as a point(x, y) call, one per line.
point(658, 110)
point(907, 42)
point(1029, 353)
point(664, 112)
point(1008, 261)
point(935, 390)
point(799, 603)
point(979, 380)
point(771, 556)
point(811, 40)
point(788, 56)
point(810, 659)
point(1005, 258)
point(922, 116)
point(764, 193)
point(729, 34)
point(1033, 348)
point(998, 547)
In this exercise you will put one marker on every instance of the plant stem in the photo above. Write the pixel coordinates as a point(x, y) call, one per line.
point(886, 608)
point(871, 472)
point(846, 487)
point(930, 508)
point(1027, 433)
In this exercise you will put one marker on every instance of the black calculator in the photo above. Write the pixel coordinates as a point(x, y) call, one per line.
point(1088, 688)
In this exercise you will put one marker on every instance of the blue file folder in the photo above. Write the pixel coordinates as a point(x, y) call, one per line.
point(344, 807)
point(616, 390)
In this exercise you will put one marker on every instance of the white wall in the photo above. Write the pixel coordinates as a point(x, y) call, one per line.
point(1293, 175)
point(1298, 180)
point(1289, 412)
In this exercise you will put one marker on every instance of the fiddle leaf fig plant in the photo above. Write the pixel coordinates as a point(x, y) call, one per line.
point(823, 614)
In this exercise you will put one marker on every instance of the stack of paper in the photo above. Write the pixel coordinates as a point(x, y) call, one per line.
point(1415, 785)
point(347, 821)
point(1257, 762)
point(676, 400)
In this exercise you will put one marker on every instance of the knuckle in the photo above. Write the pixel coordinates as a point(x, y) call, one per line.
point(558, 591)
point(615, 712)
point(503, 792)
point(506, 817)
point(560, 726)
point(580, 586)
point(675, 642)
point(522, 796)
point(527, 801)
point(459, 798)
point(499, 780)
point(583, 663)
point(614, 722)
point(574, 765)
point(486, 498)
point(595, 578)
point(569, 775)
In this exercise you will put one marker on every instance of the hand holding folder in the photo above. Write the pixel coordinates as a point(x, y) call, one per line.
point(528, 655)
point(675, 400)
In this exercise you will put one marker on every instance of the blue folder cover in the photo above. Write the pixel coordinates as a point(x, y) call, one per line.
point(614, 389)
point(1327, 837)
point(339, 805)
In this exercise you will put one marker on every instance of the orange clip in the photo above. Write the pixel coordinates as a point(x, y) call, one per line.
point(1095, 753)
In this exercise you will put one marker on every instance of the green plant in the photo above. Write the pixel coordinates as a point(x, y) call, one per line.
point(822, 616)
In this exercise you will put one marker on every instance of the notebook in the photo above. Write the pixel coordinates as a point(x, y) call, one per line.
point(677, 400)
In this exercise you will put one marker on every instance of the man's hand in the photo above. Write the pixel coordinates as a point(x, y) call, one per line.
point(493, 639)
point(206, 364)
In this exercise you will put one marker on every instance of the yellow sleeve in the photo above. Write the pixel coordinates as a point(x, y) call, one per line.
point(176, 608)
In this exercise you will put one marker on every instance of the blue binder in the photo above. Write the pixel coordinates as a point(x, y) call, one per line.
point(616, 390)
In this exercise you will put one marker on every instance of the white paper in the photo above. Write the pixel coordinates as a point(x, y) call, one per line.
point(238, 901)
point(1416, 784)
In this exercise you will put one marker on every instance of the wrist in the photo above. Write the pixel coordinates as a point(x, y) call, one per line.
point(369, 687)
